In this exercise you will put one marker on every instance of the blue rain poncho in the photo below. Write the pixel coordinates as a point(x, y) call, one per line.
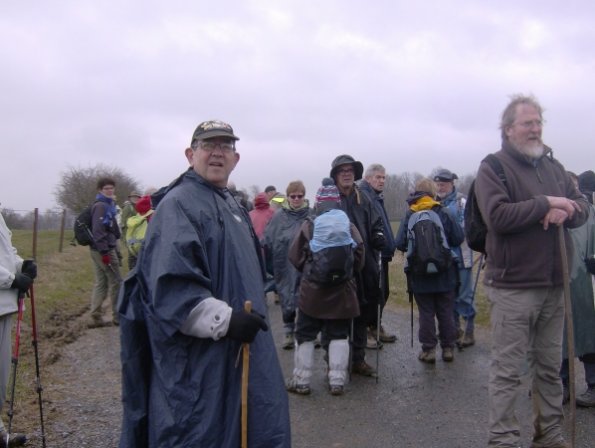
point(185, 391)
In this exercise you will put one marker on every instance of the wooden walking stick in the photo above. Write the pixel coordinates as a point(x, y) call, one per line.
point(245, 372)
point(569, 334)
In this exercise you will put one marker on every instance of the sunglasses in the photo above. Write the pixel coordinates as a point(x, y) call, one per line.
point(296, 196)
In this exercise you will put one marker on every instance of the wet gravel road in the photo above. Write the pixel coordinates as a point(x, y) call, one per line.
point(411, 405)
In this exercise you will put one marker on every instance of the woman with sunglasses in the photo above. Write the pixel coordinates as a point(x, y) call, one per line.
point(278, 235)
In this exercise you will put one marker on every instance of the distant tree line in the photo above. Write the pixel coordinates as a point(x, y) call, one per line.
point(77, 188)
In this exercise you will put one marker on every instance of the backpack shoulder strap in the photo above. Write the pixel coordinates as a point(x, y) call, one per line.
point(496, 165)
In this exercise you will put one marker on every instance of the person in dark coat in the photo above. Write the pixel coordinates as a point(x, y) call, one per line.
point(345, 170)
point(183, 321)
point(278, 235)
point(104, 252)
point(373, 185)
point(326, 309)
point(434, 294)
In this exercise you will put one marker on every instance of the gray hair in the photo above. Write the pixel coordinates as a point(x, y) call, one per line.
point(375, 167)
point(509, 114)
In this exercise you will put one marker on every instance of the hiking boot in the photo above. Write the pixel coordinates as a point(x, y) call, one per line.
point(97, 322)
point(15, 439)
point(428, 356)
point(460, 335)
point(587, 399)
point(384, 336)
point(336, 389)
point(364, 369)
point(288, 342)
point(371, 342)
point(448, 354)
point(560, 443)
point(299, 389)
point(468, 339)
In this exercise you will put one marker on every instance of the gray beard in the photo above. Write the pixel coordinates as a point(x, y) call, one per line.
point(533, 151)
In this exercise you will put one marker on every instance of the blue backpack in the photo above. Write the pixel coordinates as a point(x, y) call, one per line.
point(428, 252)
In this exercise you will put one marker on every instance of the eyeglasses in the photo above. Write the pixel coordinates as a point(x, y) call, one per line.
point(296, 196)
point(212, 146)
point(529, 124)
point(346, 171)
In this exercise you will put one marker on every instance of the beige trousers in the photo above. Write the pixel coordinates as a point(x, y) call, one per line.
point(107, 282)
point(526, 327)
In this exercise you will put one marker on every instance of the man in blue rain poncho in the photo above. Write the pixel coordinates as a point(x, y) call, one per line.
point(182, 318)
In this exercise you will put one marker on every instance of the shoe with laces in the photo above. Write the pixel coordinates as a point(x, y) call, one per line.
point(428, 356)
point(448, 354)
point(371, 342)
point(587, 399)
point(295, 388)
point(336, 389)
point(364, 369)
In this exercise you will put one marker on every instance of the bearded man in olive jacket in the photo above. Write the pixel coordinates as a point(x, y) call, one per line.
point(523, 276)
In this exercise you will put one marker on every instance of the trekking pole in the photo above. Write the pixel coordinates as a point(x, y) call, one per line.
point(569, 334)
point(477, 275)
point(410, 302)
point(245, 372)
point(378, 315)
point(15, 362)
point(350, 348)
point(37, 375)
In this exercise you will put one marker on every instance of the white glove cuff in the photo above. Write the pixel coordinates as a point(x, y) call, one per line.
point(208, 319)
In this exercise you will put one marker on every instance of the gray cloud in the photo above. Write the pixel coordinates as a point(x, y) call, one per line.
point(410, 86)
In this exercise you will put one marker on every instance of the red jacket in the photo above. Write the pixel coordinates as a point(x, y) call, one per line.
point(261, 214)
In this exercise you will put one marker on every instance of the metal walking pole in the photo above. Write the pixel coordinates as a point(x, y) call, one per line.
point(378, 315)
point(15, 362)
point(245, 373)
point(569, 334)
point(37, 375)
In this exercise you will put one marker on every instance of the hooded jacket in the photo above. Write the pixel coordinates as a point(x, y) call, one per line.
point(437, 283)
point(261, 214)
point(521, 254)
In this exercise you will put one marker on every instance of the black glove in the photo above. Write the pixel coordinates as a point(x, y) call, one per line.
point(22, 282)
point(590, 262)
point(378, 241)
point(244, 326)
point(29, 268)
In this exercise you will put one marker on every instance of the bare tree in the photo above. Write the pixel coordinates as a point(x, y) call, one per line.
point(396, 190)
point(78, 186)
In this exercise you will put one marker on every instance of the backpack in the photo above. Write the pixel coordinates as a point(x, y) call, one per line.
point(428, 252)
point(475, 227)
point(83, 233)
point(136, 228)
point(331, 257)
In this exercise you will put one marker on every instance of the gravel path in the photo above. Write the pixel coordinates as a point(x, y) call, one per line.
point(412, 405)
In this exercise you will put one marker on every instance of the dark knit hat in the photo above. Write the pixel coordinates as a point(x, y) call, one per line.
point(327, 196)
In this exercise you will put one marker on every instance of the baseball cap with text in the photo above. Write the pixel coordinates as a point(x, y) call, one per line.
point(211, 129)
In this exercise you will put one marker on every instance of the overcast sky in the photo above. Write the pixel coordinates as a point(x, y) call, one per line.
point(411, 85)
